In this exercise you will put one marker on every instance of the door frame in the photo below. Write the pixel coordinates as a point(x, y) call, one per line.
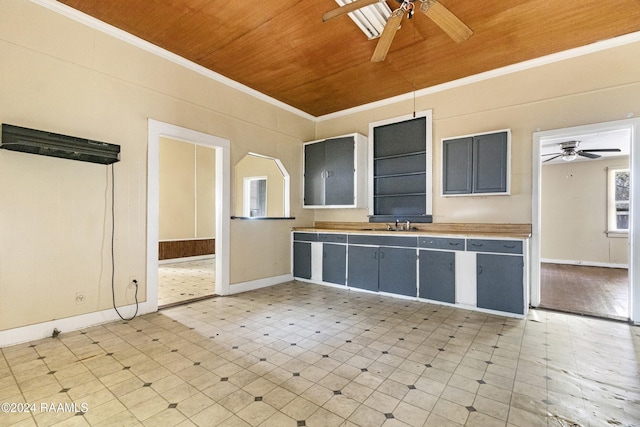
point(157, 129)
point(634, 218)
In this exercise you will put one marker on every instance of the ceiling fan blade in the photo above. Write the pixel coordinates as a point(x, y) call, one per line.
point(447, 21)
point(602, 150)
point(386, 38)
point(347, 8)
point(551, 154)
point(554, 157)
point(589, 155)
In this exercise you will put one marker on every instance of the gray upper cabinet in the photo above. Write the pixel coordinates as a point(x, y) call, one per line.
point(335, 172)
point(476, 164)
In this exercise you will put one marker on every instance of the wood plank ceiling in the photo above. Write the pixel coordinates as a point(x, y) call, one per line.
point(284, 50)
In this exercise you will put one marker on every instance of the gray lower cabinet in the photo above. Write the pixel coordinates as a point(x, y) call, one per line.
point(302, 260)
point(500, 282)
point(423, 267)
point(334, 263)
point(438, 276)
point(363, 267)
point(397, 271)
point(383, 269)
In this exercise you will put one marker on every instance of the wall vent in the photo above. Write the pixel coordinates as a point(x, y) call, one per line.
point(33, 141)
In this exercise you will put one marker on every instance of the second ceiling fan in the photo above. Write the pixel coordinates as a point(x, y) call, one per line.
point(447, 21)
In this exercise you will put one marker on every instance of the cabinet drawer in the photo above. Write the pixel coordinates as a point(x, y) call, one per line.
point(400, 241)
point(497, 246)
point(441, 243)
point(332, 238)
point(305, 237)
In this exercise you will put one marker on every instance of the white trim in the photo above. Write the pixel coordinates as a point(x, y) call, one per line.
point(119, 34)
point(251, 285)
point(583, 263)
point(246, 192)
point(634, 223)
point(185, 259)
point(222, 146)
point(510, 69)
point(70, 324)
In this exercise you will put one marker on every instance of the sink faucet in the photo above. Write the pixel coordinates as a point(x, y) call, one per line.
point(408, 226)
point(397, 221)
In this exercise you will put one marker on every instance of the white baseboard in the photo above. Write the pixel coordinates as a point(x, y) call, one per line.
point(69, 324)
point(236, 288)
point(585, 263)
point(186, 259)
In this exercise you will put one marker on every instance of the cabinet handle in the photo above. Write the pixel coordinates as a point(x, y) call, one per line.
point(329, 173)
point(454, 244)
point(477, 245)
point(509, 246)
point(479, 269)
point(375, 255)
point(323, 174)
point(381, 254)
point(450, 266)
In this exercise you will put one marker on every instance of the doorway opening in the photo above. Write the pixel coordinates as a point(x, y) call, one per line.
point(582, 239)
point(186, 222)
point(213, 220)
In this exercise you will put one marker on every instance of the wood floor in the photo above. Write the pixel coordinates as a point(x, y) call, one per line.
point(594, 291)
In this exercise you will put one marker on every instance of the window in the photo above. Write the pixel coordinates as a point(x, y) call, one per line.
point(618, 200)
point(256, 197)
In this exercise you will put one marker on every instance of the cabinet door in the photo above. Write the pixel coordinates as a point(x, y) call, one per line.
point(363, 267)
point(397, 271)
point(334, 263)
point(438, 276)
point(490, 163)
point(302, 260)
point(500, 283)
point(314, 172)
point(339, 171)
point(457, 168)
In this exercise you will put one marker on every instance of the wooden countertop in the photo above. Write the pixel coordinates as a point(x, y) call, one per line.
point(514, 231)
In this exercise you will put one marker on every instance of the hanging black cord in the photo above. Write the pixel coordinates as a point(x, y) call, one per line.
point(113, 263)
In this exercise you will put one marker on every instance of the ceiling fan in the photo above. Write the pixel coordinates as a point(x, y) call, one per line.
point(439, 14)
point(570, 152)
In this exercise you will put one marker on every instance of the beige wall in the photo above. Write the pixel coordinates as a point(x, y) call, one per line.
point(594, 88)
point(59, 75)
point(574, 213)
point(205, 192)
point(255, 166)
point(187, 191)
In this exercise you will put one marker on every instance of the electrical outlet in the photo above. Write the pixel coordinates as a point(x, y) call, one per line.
point(80, 297)
point(133, 280)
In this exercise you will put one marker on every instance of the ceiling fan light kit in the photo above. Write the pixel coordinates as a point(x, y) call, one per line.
point(371, 18)
point(440, 15)
point(570, 152)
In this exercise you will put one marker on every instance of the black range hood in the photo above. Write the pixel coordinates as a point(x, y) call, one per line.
point(25, 140)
